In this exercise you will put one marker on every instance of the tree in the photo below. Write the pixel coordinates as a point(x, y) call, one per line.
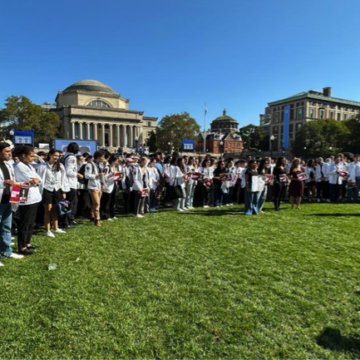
point(152, 141)
point(252, 137)
point(21, 114)
point(320, 138)
point(173, 127)
point(353, 139)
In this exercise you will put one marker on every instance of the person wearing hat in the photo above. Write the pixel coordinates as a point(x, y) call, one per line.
point(7, 177)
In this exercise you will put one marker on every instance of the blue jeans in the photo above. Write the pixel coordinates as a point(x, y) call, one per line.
point(353, 193)
point(252, 203)
point(190, 190)
point(5, 229)
point(262, 197)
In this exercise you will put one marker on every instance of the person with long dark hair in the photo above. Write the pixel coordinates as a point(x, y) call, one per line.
point(53, 187)
point(220, 170)
point(177, 180)
point(296, 188)
point(310, 170)
point(26, 174)
point(280, 181)
point(263, 170)
point(204, 186)
point(252, 196)
point(109, 189)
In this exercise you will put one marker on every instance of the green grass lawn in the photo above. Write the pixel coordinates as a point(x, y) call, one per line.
point(204, 284)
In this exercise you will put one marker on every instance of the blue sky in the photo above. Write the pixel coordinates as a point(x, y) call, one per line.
point(169, 56)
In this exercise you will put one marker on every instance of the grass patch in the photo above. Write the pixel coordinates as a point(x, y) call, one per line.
point(207, 283)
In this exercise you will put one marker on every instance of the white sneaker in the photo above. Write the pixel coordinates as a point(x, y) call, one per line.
point(1, 264)
point(59, 231)
point(180, 210)
point(49, 234)
point(109, 219)
point(16, 256)
point(139, 216)
point(12, 244)
point(206, 206)
point(13, 238)
point(227, 204)
point(114, 218)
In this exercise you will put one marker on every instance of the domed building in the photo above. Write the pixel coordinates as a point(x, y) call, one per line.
point(224, 124)
point(92, 110)
point(222, 138)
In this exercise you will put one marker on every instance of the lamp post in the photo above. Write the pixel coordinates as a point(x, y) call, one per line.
point(272, 138)
point(221, 143)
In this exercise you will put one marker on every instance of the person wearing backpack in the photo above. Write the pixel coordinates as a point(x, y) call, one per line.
point(72, 174)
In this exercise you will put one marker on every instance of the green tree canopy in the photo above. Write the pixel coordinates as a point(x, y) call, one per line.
point(21, 114)
point(353, 139)
point(320, 138)
point(173, 127)
point(252, 137)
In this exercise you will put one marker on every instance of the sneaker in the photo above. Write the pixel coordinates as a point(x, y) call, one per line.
point(16, 256)
point(109, 219)
point(206, 206)
point(139, 216)
point(59, 231)
point(12, 244)
point(227, 204)
point(13, 238)
point(49, 234)
point(26, 252)
point(181, 210)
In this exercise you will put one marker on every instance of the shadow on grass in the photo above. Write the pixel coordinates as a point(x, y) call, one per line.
point(332, 339)
point(333, 214)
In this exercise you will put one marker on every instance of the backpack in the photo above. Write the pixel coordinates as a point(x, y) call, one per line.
point(82, 172)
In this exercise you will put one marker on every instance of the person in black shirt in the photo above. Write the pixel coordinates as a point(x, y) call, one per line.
point(218, 200)
point(280, 181)
point(6, 180)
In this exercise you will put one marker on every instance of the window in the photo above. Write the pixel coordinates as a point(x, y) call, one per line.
point(345, 116)
point(99, 103)
point(331, 114)
point(276, 109)
point(300, 104)
point(298, 126)
point(83, 131)
point(311, 103)
point(76, 135)
point(149, 123)
point(291, 127)
point(91, 132)
point(338, 116)
point(276, 117)
point(322, 114)
point(299, 113)
point(238, 145)
point(276, 129)
point(311, 112)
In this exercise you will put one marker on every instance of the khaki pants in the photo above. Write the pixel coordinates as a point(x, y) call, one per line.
point(95, 204)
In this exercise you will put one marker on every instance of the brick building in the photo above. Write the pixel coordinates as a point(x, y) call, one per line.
point(223, 137)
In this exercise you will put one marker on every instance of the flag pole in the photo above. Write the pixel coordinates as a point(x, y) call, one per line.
point(205, 112)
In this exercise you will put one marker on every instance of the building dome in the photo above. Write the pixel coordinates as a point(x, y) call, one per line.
point(224, 123)
point(90, 86)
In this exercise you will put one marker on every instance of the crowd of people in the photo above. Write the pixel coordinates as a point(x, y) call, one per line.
point(92, 186)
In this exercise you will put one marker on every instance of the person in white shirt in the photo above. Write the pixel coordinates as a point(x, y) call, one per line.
point(154, 178)
point(177, 180)
point(26, 174)
point(207, 172)
point(7, 177)
point(354, 179)
point(190, 168)
point(167, 174)
point(140, 186)
point(53, 188)
point(126, 185)
point(310, 171)
point(94, 172)
point(109, 188)
point(335, 180)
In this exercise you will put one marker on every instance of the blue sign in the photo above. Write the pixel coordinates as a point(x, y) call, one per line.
point(89, 146)
point(187, 145)
point(23, 137)
point(286, 127)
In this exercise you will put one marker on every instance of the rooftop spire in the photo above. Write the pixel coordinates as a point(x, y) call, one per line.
point(224, 112)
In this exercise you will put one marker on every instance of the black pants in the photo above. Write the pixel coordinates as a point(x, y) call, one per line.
point(138, 203)
point(241, 195)
point(107, 205)
point(127, 199)
point(71, 196)
point(84, 203)
point(279, 191)
point(26, 224)
point(322, 189)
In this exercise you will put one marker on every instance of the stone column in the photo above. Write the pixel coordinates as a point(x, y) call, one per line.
point(80, 130)
point(131, 137)
point(95, 131)
point(111, 135)
point(123, 135)
point(103, 135)
point(141, 136)
point(118, 135)
point(72, 130)
point(88, 131)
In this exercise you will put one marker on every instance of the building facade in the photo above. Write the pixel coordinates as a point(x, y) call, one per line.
point(305, 106)
point(223, 136)
point(91, 110)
